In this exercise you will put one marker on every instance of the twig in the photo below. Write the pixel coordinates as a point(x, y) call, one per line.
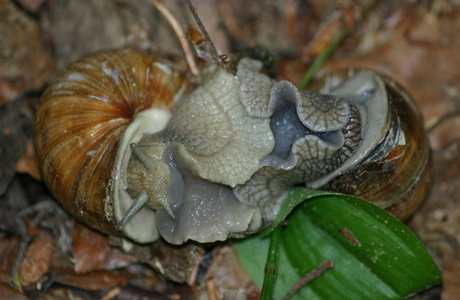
point(192, 277)
point(212, 294)
point(453, 113)
point(180, 35)
point(112, 293)
point(215, 54)
point(326, 265)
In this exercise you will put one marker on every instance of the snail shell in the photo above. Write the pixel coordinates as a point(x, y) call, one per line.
point(397, 174)
point(126, 151)
point(81, 125)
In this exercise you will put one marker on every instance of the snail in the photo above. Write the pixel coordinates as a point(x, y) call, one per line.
point(118, 127)
point(128, 149)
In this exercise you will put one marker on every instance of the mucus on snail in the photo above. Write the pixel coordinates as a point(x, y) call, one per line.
point(119, 127)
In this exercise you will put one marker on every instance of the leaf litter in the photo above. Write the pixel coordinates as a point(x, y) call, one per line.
point(414, 42)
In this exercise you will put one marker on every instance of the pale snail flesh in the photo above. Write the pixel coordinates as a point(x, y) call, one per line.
point(205, 165)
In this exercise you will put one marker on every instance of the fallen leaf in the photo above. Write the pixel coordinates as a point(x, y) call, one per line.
point(7, 292)
point(9, 247)
point(28, 162)
point(96, 280)
point(36, 259)
point(225, 273)
point(91, 251)
point(24, 62)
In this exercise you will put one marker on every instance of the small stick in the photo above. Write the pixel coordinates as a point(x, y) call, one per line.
point(192, 277)
point(112, 294)
point(180, 35)
point(326, 265)
point(453, 113)
point(215, 54)
point(350, 237)
point(212, 293)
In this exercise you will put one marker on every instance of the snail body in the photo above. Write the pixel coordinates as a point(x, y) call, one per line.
point(128, 151)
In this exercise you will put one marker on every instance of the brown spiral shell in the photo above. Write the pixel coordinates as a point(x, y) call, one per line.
point(81, 119)
point(397, 174)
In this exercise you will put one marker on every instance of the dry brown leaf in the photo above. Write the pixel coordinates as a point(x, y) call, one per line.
point(24, 62)
point(7, 292)
point(28, 162)
point(323, 37)
point(36, 259)
point(62, 293)
point(445, 134)
point(225, 273)
point(91, 251)
point(92, 281)
point(9, 247)
point(177, 263)
point(451, 278)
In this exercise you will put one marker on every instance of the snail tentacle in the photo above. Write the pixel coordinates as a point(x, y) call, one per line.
point(150, 164)
point(133, 209)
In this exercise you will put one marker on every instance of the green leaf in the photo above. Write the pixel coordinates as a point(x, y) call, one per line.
point(295, 197)
point(16, 281)
point(388, 263)
point(252, 253)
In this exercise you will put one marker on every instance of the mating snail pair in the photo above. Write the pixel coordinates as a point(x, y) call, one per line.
point(127, 149)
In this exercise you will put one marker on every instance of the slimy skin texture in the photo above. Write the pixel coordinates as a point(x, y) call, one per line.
point(234, 147)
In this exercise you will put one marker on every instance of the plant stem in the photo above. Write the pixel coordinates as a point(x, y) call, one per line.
point(271, 267)
point(319, 60)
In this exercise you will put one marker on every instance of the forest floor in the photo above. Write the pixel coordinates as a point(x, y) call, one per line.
point(45, 254)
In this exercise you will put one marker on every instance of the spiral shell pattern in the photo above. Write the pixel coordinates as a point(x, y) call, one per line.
point(81, 120)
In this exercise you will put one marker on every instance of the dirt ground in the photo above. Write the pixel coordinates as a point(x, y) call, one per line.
point(45, 254)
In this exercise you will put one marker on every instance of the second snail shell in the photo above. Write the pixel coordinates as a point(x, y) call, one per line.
point(120, 126)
